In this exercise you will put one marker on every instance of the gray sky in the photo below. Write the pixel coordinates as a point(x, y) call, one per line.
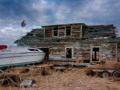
point(46, 12)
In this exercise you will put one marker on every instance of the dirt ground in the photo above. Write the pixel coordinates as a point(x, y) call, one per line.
point(74, 79)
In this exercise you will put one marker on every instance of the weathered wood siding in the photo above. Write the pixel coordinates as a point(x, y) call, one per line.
point(48, 32)
point(83, 51)
point(63, 31)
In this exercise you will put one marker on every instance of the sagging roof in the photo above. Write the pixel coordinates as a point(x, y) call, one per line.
point(63, 25)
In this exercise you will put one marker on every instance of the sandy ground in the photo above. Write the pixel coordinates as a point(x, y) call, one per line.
point(74, 79)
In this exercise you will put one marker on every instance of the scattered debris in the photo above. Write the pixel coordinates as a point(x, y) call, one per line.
point(74, 79)
point(10, 80)
point(27, 83)
point(105, 69)
point(21, 76)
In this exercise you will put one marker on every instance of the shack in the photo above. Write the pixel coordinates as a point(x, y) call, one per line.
point(76, 42)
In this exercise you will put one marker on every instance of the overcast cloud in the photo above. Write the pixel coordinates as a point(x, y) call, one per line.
point(46, 12)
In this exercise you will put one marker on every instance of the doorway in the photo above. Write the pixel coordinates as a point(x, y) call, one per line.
point(95, 54)
point(68, 52)
point(46, 51)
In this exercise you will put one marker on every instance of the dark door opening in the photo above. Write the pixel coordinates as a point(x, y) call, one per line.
point(95, 54)
point(68, 52)
point(46, 51)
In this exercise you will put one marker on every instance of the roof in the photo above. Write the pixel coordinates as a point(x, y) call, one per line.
point(60, 41)
point(100, 25)
point(64, 24)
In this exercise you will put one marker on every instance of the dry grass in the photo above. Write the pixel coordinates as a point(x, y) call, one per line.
point(74, 79)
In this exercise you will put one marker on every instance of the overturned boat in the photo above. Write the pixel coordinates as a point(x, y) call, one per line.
point(19, 56)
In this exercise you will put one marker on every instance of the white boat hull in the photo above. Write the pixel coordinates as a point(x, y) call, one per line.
point(22, 59)
point(22, 56)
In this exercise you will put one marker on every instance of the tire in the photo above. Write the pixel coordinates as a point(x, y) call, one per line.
point(105, 74)
point(116, 75)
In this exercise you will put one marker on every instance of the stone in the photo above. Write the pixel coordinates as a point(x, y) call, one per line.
point(27, 83)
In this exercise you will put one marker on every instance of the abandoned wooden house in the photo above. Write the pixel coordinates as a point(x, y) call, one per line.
point(75, 42)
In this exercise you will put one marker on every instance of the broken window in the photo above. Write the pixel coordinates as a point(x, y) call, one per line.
point(68, 31)
point(55, 31)
point(95, 54)
point(68, 52)
point(32, 49)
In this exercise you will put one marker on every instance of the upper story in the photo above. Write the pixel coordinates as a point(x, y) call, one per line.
point(76, 30)
point(63, 31)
